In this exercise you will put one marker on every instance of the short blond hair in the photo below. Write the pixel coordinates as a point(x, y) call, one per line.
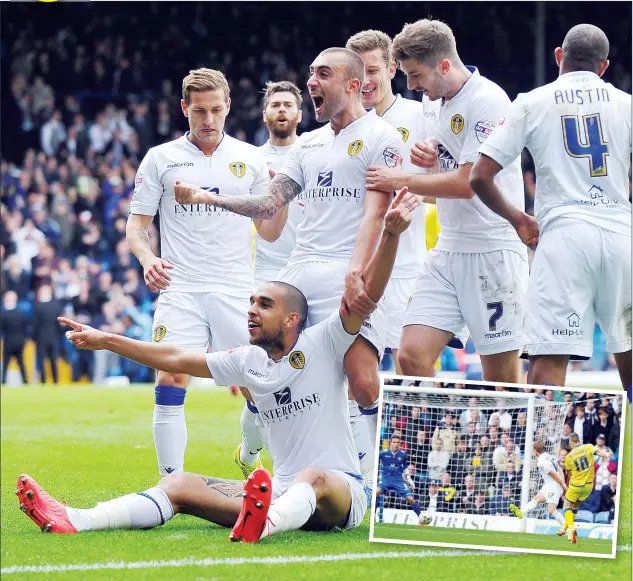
point(203, 79)
point(426, 41)
point(368, 40)
point(273, 87)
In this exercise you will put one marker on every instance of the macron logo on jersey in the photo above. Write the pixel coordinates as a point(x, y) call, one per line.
point(180, 164)
point(325, 179)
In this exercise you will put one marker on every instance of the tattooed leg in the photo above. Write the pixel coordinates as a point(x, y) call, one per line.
point(213, 499)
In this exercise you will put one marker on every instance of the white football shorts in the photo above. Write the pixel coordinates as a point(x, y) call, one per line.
point(263, 275)
point(358, 506)
point(323, 284)
point(482, 293)
point(397, 295)
point(199, 320)
point(551, 492)
point(581, 273)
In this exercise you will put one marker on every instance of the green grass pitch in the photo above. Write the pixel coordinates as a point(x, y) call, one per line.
point(87, 445)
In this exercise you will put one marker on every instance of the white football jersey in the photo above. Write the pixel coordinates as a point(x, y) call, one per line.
point(301, 399)
point(414, 121)
point(331, 170)
point(464, 123)
point(546, 464)
point(578, 130)
point(274, 255)
point(209, 247)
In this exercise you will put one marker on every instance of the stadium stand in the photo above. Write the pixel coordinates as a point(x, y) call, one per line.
point(83, 103)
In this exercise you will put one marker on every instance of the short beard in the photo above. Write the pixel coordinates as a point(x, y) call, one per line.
point(281, 134)
point(271, 343)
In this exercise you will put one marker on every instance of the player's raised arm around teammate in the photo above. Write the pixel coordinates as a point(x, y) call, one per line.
point(169, 358)
point(439, 74)
point(376, 274)
point(281, 190)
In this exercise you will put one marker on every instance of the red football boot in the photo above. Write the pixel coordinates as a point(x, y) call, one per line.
point(258, 494)
point(46, 512)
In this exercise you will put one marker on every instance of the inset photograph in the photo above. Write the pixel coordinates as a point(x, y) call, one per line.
point(480, 465)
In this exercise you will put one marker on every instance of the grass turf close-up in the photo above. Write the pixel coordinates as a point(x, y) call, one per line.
point(86, 445)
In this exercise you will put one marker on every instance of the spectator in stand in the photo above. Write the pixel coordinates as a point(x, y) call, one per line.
point(480, 466)
point(493, 435)
point(466, 495)
point(43, 266)
point(562, 454)
point(480, 506)
point(27, 240)
point(53, 134)
point(431, 501)
point(603, 425)
point(564, 438)
point(591, 411)
point(419, 452)
point(467, 415)
point(459, 462)
point(447, 433)
point(500, 505)
point(438, 460)
point(414, 424)
point(607, 497)
point(518, 430)
point(448, 502)
point(602, 471)
point(613, 439)
point(605, 403)
point(471, 435)
point(501, 418)
point(15, 278)
point(581, 425)
point(13, 324)
point(46, 331)
point(509, 478)
point(509, 453)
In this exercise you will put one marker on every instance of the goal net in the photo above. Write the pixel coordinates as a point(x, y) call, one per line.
point(470, 451)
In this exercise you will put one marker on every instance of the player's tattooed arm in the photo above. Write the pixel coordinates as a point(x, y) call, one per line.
point(281, 190)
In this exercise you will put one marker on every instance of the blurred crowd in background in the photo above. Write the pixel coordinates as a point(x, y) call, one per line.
point(469, 458)
point(88, 90)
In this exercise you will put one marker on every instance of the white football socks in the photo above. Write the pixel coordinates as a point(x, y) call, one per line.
point(291, 510)
point(363, 442)
point(560, 519)
point(170, 428)
point(170, 438)
point(369, 415)
point(529, 506)
point(252, 441)
point(143, 510)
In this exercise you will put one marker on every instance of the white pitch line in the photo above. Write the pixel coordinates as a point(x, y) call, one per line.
point(209, 562)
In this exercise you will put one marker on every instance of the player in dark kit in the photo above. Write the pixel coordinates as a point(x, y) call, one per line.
point(394, 462)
